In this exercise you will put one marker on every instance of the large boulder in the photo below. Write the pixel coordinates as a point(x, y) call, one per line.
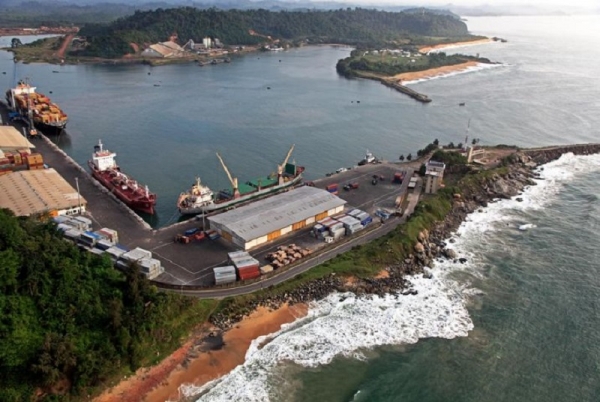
point(419, 248)
point(449, 253)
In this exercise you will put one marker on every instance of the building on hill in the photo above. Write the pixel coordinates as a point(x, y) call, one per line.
point(33, 192)
point(434, 175)
point(266, 220)
point(167, 49)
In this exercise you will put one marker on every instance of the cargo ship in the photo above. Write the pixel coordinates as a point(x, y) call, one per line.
point(104, 169)
point(200, 199)
point(36, 108)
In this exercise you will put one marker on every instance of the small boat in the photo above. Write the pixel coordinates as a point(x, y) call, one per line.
point(461, 104)
point(369, 158)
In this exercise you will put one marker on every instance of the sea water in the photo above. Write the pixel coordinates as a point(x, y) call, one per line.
point(519, 321)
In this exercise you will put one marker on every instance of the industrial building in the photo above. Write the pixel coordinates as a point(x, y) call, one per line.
point(434, 174)
point(266, 220)
point(11, 140)
point(166, 50)
point(32, 192)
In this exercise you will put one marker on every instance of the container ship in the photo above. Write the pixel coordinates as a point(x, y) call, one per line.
point(36, 108)
point(200, 199)
point(105, 170)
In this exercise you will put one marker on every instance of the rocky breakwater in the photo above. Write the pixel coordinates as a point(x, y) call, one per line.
point(544, 155)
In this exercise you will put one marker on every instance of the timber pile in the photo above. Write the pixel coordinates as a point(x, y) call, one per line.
point(286, 255)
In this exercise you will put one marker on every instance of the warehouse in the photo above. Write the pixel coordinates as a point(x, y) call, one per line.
point(266, 220)
point(32, 192)
point(11, 140)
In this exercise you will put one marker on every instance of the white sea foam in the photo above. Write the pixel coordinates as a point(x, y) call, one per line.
point(470, 69)
point(345, 325)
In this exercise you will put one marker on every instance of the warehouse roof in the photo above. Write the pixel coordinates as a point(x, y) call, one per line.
point(265, 216)
point(11, 138)
point(36, 191)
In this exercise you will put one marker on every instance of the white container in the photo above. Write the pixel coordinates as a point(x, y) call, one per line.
point(110, 234)
point(115, 253)
point(224, 275)
point(136, 254)
point(148, 265)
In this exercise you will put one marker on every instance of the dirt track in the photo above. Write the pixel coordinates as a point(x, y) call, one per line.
point(63, 47)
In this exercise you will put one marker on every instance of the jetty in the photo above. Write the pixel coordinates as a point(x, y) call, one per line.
point(397, 85)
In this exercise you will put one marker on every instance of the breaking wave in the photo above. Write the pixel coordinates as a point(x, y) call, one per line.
point(346, 325)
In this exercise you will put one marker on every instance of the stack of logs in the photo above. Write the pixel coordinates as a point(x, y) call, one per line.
point(286, 255)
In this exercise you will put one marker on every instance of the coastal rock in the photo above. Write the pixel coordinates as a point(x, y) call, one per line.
point(449, 253)
point(419, 248)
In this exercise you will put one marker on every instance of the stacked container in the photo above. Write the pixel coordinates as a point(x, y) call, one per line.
point(224, 275)
point(73, 234)
point(34, 161)
point(114, 253)
point(399, 177)
point(89, 239)
point(351, 224)
point(337, 230)
point(110, 235)
point(354, 212)
point(150, 267)
point(136, 254)
point(333, 188)
point(246, 266)
point(364, 218)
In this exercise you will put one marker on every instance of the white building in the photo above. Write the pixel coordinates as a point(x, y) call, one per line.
point(207, 42)
point(167, 49)
point(266, 220)
point(434, 175)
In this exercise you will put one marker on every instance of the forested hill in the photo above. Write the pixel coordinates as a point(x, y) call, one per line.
point(234, 27)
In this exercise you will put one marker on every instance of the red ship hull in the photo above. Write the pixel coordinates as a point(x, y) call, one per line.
point(135, 198)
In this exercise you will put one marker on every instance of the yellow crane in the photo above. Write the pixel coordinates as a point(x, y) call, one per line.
point(232, 180)
point(282, 166)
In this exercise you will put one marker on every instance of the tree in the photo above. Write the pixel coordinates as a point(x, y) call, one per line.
point(436, 142)
point(475, 141)
point(409, 157)
point(15, 42)
point(422, 169)
point(459, 145)
point(401, 157)
point(451, 145)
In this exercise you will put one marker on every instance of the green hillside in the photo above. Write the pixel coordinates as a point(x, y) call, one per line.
point(235, 27)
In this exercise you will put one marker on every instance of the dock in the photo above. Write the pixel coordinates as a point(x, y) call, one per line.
point(406, 90)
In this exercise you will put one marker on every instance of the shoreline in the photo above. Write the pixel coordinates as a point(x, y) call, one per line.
point(429, 48)
point(434, 72)
point(208, 355)
point(199, 360)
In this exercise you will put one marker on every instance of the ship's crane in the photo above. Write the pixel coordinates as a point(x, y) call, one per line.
point(282, 166)
point(232, 180)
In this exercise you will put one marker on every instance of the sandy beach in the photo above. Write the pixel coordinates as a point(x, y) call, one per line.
point(425, 49)
point(432, 72)
point(201, 360)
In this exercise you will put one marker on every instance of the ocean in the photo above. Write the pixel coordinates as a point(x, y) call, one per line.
point(518, 322)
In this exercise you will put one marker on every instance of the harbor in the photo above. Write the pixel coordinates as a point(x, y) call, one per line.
point(181, 262)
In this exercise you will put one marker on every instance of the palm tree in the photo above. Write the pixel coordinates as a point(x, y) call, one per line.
point(401, 157)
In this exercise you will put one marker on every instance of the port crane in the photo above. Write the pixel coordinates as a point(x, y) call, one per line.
point(282, 166)
point(232, 180)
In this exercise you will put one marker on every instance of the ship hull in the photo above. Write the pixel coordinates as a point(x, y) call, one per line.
point(214, 208)
point(135, 201)
point(49, 129)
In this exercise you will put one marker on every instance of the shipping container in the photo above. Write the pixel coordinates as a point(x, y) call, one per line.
point(136, 254)
point(104, 244)
point(224, 275)
point(81, 222)
point(110, 234)
point(61, 227)
point(336, 226)
point(364, 218)
point(89, 239)
point(332, 187)
point(115, 253)
point(73, 234)
point(237, 254)
point(249, 273)
point(354, 212)
point(148, 265)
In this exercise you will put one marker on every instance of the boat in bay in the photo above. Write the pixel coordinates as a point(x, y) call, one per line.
point(200, 199)
point(104, 168)
point(36, 108)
